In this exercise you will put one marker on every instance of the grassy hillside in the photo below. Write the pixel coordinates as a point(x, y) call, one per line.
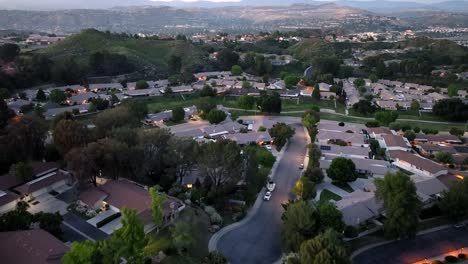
point(142, 53)
point(308, 49)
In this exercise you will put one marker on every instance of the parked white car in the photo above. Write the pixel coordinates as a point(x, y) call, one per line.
point(271, 186)
point(267, 196)
point(268, 147)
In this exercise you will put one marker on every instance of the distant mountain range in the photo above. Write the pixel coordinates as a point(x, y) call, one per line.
point(185, 20)
point(373, 5)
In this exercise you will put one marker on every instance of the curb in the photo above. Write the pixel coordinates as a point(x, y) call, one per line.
point(424, 232)
point(213, 243)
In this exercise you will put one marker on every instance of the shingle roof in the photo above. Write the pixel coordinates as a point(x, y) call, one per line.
point(41, 182)
point(418, 161)
point(31, 247)
point(394, 141)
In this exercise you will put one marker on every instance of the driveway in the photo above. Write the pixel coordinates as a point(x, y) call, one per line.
point(48, 204)
point(410, 251)
point(259, 240)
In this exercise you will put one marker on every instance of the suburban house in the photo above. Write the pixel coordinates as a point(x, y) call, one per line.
point(52, 112)
point(17, 104)
point(395, 142)
point(347, 152)
point(142, 92)
point(279, 85)
point(368, 167)
point(352, 134)
point(8, 201)
point(324, 87)
point(359, 207)
point(428, 189)
point(178, 89)
point(416, 164)
point(428, 149)
point(161, 117)
point(52, 181)
point(81, 98)
point(114, 195)
point(327, 95)
point(195, 134)
point(437, 139)
point(251, 137)
point(31, 247)
point(104, 87)
point(69, 88)
point(378, 132)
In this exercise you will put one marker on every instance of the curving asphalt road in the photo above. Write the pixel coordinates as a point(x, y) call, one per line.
point(259, 240)
point(423, 246)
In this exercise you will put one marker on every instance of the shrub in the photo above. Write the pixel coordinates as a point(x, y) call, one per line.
point(462, 256)
point(210, 210)
point(216, 219)
point(350, 232)
point(373, 124)
point(451, 259)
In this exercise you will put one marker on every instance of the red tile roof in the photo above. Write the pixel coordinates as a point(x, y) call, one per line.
point(31, 247)
point(378, 130)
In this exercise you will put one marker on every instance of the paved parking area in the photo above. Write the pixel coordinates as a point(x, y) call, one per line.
point(48, 204)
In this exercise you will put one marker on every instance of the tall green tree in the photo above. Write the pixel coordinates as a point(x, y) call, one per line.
point(415, 106)
point(316, 93)
point(269, 103)
point(300, 222)
point(246, 102)
point(178, 114)
point(181, 235)
point(157, 210)
point(342, 170)
point(401, 204)
point(86, 252)
point(236, 70)
point(304, 188)
point(454, 201)
point(22, 171)
point(385, 117)
point(281, 133)
point(330, 216)
point(57, 96)
point(129, 241)
point(69, 134)
point(325, 248)
point(453, 90)
point(444, 157)
point(220, 162)
point(40, 95)
point(216, 116)
point(182, 157)
point(142, 84)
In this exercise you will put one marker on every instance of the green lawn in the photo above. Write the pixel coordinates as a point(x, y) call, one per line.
point(327, 195)
point(345, 187)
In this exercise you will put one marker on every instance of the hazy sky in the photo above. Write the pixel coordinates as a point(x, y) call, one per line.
point(89, 4)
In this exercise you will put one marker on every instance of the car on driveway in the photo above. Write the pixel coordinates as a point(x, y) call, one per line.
point(268, 147)
point(459, 225)
point(267, 196)
point(301, 167)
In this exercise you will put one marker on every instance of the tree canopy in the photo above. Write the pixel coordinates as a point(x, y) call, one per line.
point(342, 170)
point(269, 103)
point(281, 133)
point(300, 222)
point(401, 204)
point(325, 248)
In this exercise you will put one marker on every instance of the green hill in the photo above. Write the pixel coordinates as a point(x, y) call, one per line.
point(143, 53)
point(308, 49)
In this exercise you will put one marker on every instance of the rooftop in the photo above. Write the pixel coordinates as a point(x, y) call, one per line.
point(417, 161)
point(31, 247)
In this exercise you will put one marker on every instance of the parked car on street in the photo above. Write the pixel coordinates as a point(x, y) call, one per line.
point(301, 167)
point(267, 196)
point(271, 186)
